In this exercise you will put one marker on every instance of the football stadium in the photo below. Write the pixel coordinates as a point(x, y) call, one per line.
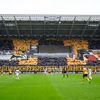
point(42, 57)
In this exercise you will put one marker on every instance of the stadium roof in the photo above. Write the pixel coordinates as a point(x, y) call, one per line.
point(56, 26)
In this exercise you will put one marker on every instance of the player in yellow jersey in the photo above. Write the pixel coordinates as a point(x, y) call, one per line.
point(85, 74)
point(1, 72)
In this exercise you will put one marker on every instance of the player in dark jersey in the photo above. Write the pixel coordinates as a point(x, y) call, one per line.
point(65, 72)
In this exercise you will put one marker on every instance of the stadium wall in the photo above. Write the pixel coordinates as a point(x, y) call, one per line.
point(50, 69)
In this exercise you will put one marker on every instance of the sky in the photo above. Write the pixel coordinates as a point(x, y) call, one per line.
point(65, 7)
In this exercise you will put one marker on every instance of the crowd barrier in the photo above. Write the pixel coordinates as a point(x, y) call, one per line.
point(49, 68)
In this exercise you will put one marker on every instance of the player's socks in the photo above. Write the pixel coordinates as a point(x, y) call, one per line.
point(89, 82)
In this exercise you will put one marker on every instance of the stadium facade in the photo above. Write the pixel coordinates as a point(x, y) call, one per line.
point(57, 26)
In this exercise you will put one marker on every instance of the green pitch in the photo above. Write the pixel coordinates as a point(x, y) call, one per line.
point(48, 87)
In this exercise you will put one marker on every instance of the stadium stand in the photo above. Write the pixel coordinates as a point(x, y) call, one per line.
point(72, 61)
point(76, 44)
point(8, 63)
point(22, 44)
point(6, 45)
point(94, 44)
point(29, 61)
point(56, 43)
point(47, 61)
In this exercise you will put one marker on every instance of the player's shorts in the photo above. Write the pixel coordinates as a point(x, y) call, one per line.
point(17, 74)
point(90, 77)
point(64, 72)
point(85, 75)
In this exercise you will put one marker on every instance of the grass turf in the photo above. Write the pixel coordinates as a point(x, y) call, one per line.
point(48, 87)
